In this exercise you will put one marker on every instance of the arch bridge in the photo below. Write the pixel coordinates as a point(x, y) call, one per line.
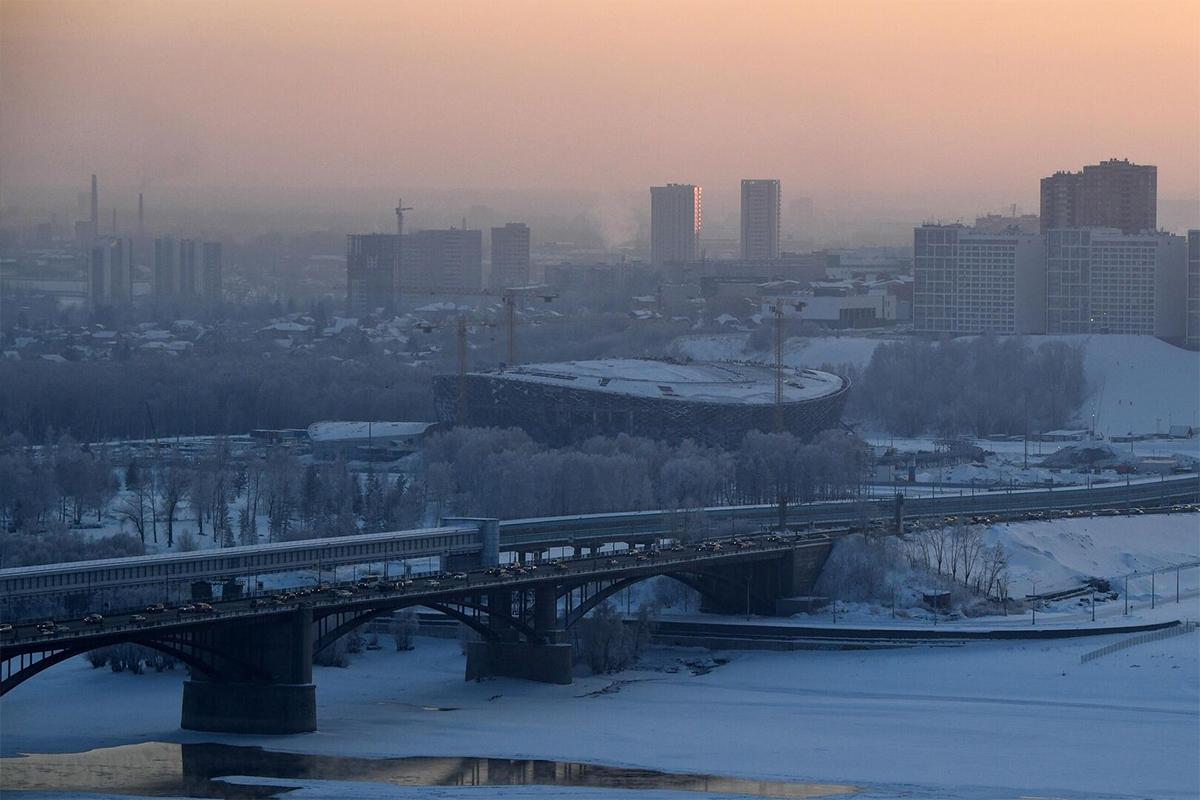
point(250, 660)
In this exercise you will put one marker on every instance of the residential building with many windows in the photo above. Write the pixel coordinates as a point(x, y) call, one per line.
point(675, 221)
point(449, 259)
point(760, 219)
point(968, 281)
point(110, 272)
point(1193, 289)
point(1112, 194)
point(510, 255)
point(372, 262)
point(1101, 280)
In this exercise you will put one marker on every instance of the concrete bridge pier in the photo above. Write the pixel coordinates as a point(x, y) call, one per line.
point(260, 682)
point(547, 660)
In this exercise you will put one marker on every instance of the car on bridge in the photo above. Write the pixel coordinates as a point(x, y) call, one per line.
point(155, 608)
point(93, 619)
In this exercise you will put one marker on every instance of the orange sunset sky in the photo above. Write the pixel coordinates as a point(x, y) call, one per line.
point(966, 100)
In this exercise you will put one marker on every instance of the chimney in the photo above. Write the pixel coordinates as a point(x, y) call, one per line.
point(95, 205)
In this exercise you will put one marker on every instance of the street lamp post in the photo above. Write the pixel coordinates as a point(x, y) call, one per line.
point(1035, 600)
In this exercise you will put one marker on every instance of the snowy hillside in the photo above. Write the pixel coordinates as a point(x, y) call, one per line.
point(1138, 383)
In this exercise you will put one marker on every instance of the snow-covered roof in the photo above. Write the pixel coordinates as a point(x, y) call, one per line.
point(713, 382)
point(336, 431)
point(286, 327)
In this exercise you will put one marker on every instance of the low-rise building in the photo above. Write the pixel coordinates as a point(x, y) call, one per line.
point(367, 441)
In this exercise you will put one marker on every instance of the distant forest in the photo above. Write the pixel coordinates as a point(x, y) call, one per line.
point(239, 389)
point(226, 394)
point(977, 386)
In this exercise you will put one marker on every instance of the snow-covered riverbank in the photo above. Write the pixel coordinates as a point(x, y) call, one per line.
point(985, 720)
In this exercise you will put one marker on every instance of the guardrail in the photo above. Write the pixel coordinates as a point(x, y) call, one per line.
point(1188, 626)
point(580, 529)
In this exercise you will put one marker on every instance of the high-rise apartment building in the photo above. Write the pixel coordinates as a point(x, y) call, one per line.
point(760, 220)
point(675, 221)
point(444, 259)
point(510, 256)
point(1103, 281)
point(213, 267)
point(188, 271)
point(1193, 289)
point(110, 272)
point(372, 263)
point(166, 280)
point(967, 281)
point(1112, 194)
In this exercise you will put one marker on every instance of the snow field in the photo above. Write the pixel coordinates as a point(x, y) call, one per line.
point(987, 720)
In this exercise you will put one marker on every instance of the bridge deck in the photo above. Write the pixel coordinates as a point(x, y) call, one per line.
point(25, 638)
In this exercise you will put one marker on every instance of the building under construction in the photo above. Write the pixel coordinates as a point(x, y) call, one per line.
point(713, 403)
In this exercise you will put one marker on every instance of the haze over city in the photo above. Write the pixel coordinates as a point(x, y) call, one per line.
point(893, 112)
point(598, 399)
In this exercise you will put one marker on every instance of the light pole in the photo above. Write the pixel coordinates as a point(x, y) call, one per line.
point(1093, 605)
point(1035, 600)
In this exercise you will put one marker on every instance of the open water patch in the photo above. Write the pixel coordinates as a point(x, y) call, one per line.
point(164, 769)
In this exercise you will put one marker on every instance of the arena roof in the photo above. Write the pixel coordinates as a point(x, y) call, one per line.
point(709, 382)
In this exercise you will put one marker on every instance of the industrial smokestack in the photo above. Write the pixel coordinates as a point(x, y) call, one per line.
point(95, 205)
point(141, 218)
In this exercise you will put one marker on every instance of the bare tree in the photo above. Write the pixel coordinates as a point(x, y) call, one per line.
point(404, 628)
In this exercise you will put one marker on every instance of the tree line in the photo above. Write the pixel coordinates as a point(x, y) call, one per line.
point(981, 385)
point(168, 499)
point(229, 394)
point(504, 473)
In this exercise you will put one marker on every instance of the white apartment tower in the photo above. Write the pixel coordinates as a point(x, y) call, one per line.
point(760, 219)
point(674, 223)
point(1099, 280)
point(968, 281)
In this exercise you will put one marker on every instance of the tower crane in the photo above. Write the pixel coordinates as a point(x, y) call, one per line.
point(508, 296)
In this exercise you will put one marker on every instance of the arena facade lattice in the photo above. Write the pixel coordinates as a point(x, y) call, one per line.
point(711, 402)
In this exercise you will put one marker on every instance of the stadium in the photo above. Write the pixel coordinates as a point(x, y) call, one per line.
point(714, 403)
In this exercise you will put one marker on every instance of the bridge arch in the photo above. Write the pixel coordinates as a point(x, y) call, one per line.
point(475, 623)
point(691, 580)
point(16, 678)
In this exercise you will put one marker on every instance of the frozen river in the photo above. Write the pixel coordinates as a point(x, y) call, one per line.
point(981, 721)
